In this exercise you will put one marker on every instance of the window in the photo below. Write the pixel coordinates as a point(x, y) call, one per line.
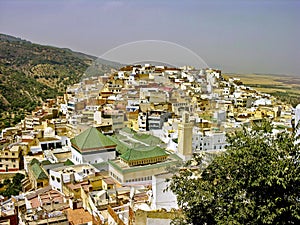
point(6, 153)
point(14, 166)
point(13, 160)
point(13, 153)
point(1, 165)
point(52, 177)
point(58, 179)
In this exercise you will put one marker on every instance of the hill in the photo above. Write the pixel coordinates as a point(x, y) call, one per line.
point(31, 73)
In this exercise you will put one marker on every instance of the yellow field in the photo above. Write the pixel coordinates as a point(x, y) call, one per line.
point(270, 83)
point(256, 79)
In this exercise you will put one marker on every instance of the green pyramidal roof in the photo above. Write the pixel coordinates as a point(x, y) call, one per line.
point(143, 153)
point(34, 161)
point(38, 172)
point(91, 139)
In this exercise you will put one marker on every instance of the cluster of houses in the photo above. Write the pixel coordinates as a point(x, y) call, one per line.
point(101, 153)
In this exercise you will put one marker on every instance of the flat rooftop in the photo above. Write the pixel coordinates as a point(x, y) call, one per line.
point(46, 139)
point(74, 168)
point(122, 167)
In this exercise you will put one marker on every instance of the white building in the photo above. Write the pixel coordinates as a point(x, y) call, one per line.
point(66, 174)
point(91, 146)
point(142, 121)
point(208, 141)
point(162, 197)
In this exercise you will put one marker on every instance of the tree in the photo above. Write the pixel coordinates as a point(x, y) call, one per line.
point(14, 187)
point(6, 181)
point(256, 181)
point(18, 178)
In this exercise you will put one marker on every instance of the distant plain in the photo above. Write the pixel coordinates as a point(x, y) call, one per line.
point(270, 83)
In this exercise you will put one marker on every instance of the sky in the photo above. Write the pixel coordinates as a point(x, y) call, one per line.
point(240, 36)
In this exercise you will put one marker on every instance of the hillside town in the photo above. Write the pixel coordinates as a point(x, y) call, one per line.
point(103, 152)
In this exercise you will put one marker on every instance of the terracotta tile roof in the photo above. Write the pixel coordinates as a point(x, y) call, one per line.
point(108, 180)
point(46, 197)
point(79, 216)
point(35, 203)
point(77, 185)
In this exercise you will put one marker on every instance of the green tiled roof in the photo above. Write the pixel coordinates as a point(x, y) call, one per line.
point(172, 162)
point(147, 139)
point(100, 166)
point(121, 147)
point(46, 162)
point(34, 161)
point(91, 139)
point(128, 130)
point(143, 153)
point(68, 163)
point(38, 172)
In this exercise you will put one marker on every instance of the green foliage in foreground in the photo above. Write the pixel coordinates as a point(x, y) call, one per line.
point(14, 187)
point(257, 181)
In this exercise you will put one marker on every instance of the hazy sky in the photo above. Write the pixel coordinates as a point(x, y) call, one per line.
point(235, 35)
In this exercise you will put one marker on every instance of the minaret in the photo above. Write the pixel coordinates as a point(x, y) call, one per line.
point(185, 135)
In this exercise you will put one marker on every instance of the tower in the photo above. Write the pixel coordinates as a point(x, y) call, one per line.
point(185, 135)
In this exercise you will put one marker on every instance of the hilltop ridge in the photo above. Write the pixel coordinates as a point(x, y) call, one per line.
point(31, 73)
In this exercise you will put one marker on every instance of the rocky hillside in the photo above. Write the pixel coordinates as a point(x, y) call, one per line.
point(30, 73)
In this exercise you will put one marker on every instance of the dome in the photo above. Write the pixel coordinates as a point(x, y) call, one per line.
point(49, 132)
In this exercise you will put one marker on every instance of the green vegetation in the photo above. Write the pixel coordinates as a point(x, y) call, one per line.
point(12, 188)
point(31, 73)
point(287, 97)
point(283, 93)
point(257, 181)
